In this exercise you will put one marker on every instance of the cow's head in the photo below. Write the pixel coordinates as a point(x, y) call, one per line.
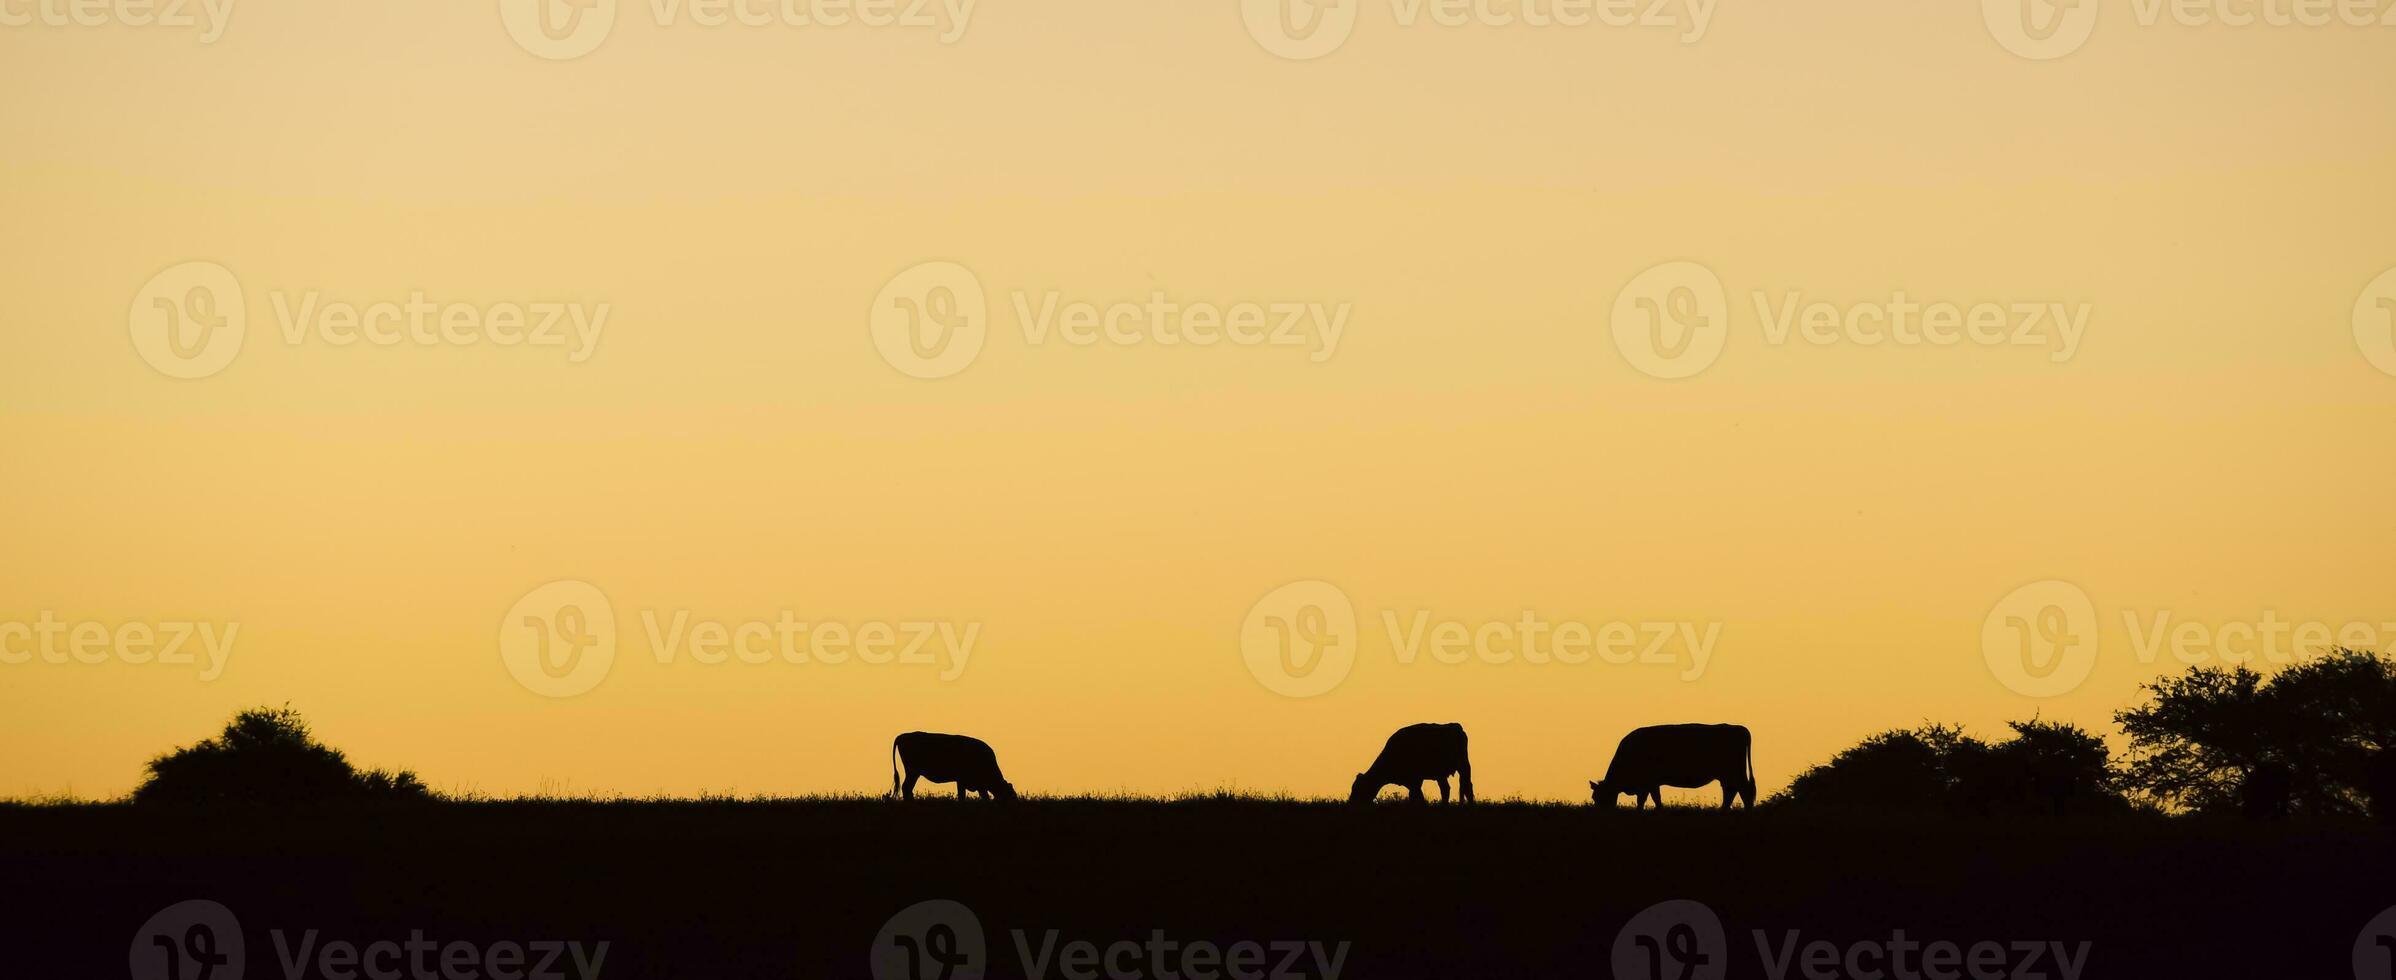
point(1363, 789)
point(1004, 791)
point(1604, 795)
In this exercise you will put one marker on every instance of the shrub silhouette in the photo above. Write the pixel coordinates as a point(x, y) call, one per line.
point(266, 756)
point(2303, 741)
point(1902, 770)
point(2046, 767)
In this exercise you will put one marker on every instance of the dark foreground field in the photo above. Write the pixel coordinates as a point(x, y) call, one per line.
point(806, 889)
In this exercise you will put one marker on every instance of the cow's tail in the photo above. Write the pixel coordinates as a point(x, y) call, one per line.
point(1750, 753)
point(894, 772)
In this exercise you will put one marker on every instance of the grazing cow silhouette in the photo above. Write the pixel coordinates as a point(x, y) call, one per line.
point(1686, 756)
point(967, 762)
point(1415, 754)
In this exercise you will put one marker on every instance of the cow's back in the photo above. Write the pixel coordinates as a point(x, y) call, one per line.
point(943, 758)
point(1680, 755)
point(1428, 750)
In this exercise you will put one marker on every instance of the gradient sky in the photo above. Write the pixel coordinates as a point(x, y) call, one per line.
point(2217, 448)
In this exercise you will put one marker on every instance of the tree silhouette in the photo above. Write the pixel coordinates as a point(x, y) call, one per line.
point(2218, 740)
point(267, 756)
point(2046, 767)
point(1899, 770)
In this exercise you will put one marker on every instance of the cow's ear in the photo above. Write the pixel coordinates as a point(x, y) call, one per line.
point(1593, 784)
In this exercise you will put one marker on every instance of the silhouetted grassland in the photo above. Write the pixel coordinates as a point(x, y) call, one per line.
point(799, 887)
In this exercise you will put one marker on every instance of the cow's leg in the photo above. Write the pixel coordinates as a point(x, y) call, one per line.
point(960, 789)
point(1443, 789)
point(1464, 782)
point(1414, 792)
point(1729, 792)
point(908, 791)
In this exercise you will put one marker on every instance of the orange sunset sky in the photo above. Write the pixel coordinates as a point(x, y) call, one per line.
point(361, 523)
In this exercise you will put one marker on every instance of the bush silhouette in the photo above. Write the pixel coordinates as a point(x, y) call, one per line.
point(1902, 770)
point(2046, 767)
point(266, 756)
point(2305, 741)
